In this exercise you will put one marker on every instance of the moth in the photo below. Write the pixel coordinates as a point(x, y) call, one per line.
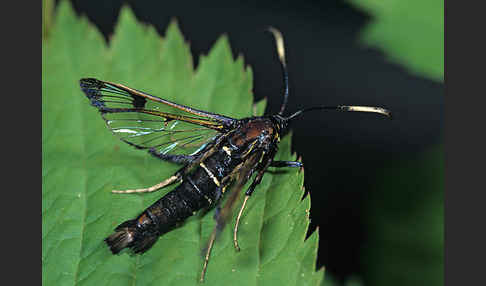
point(217, 153)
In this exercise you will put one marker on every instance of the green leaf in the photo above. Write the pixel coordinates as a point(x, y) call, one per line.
point(47, 9)
point(406, 223)
point(410, 32)
point(82, 162)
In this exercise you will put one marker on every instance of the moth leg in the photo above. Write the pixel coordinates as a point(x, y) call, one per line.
point(227, 210)
point(178, 159)
point(279, 164)
point(166, 182)
point(219, 216)
point(219, 193)
point(248, 193)
point(235, 232)
point(208, 253)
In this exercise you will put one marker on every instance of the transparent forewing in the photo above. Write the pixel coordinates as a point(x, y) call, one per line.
point(149, 122)
point(148, 131)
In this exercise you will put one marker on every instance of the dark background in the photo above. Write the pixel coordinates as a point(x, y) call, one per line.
point(342, 152)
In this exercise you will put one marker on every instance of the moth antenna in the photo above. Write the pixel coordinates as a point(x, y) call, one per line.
point(352, 108)
point(281, 56)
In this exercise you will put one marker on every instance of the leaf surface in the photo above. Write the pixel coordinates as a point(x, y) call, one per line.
point(410, 32)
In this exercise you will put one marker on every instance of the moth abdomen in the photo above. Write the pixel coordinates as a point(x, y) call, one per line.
point(162, 216)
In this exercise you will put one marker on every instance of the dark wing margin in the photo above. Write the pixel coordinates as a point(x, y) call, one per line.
point(149, 122)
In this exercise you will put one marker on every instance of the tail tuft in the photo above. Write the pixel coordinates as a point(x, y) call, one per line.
point(129, 235)
point(123, 237)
